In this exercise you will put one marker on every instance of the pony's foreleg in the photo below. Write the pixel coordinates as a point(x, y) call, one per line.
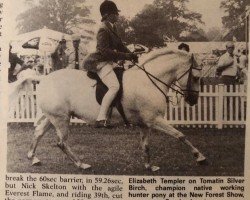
point(145, 147)
point(40, 130)
point(62, 129)
point(162, 125)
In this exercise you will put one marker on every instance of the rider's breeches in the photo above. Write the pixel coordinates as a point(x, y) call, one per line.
point(109, 79)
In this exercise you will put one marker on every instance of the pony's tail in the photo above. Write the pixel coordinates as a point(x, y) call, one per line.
point(21, 85)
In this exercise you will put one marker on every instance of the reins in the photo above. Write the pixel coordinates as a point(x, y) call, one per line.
point(151, 77)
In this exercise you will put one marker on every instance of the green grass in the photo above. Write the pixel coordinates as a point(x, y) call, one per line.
point(118, 152)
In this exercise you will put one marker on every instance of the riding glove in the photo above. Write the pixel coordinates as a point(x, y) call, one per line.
point(133, 57)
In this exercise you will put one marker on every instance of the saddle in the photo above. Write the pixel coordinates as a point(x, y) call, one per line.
point(101, 90)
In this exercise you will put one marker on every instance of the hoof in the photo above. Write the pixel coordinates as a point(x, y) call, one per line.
point(152, 168)
point(201, 160)
point(147, 166)
point(84, 166)
point(36, 161)
point(30, 155)
point(155, 168)
point(128, 125)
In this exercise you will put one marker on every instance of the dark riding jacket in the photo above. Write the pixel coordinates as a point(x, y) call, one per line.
point(109, 48)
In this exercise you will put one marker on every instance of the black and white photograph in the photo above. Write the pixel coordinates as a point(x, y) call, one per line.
point(127, 87)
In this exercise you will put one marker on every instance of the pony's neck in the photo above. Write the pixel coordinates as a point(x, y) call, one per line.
point(164, 67)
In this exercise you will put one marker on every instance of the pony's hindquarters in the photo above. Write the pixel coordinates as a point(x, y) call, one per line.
point(68, 92)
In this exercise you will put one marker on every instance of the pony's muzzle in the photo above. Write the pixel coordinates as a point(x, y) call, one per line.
point(191, 98)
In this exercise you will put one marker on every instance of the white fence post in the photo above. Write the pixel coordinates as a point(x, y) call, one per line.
point(220, 109)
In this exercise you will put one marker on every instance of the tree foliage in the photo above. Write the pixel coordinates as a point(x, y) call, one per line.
point(233, 19)
point(59, 15)
point(214, 34)
point(164, 17)
point(195, 35)
point(124, 30)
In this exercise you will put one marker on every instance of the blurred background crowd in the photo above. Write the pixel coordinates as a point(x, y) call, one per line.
point(48, 43)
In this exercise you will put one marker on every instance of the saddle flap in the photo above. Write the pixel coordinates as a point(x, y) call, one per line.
point(93, 75)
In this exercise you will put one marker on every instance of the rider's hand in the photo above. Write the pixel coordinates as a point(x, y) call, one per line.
point(121, 62)
point(133, 57)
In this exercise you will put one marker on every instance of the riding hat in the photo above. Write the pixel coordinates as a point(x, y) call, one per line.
point(108, 7)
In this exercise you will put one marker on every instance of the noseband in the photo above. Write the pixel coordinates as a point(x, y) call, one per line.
point(179, 90)
point(189, 81)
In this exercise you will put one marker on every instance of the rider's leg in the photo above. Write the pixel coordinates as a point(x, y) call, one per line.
point(112, 83)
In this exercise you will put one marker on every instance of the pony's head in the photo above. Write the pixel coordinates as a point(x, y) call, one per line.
point(172, 66)
point(188, 78)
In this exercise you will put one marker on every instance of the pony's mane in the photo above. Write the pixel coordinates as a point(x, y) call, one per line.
point(160, 52)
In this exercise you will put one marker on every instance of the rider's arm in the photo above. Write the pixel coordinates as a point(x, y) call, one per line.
point(103, 46)
point(123, 48)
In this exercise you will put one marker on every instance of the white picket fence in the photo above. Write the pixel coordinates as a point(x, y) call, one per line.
point(217, 107)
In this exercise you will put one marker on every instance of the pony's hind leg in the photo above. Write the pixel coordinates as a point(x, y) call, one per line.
point(162, 125)
point(40, 130)
point(146, 152)
point(62, 129)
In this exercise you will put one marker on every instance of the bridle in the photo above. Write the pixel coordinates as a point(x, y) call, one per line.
point(190, 75)
point(179, 90)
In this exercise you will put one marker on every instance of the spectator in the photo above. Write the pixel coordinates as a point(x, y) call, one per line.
point(184, 47)
point(243, 59)
point(59, 60)
point(242, 67)
point(227, 66)
point(14, 60)
point(76, 54)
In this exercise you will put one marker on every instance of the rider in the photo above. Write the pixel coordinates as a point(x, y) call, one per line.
point(110, 49)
